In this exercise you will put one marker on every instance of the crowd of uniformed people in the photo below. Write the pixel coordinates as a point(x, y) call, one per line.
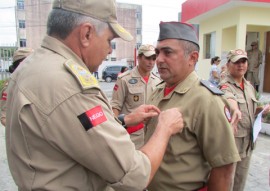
point(170, 132)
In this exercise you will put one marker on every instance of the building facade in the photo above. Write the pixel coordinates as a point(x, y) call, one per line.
point(31, 16)
point(230, 24)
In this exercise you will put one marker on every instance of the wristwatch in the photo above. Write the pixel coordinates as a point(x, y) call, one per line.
point(121, 118)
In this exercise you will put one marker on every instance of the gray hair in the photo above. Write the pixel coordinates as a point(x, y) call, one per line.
point(61, 23)
point(188, 47)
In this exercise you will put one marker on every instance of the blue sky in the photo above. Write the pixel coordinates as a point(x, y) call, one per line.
point(154, 11)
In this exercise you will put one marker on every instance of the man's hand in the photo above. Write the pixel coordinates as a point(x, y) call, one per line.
point(172, 120)
point(236, 117)
point(141, 114)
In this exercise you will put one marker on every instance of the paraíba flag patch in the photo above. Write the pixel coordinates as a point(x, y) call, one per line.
point(115, 88)
point(92, 117)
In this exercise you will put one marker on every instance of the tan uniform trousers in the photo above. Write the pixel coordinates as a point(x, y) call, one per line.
point(241, 170)
point(253, 77)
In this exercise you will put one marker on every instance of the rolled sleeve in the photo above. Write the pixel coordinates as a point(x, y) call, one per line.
point(104, 149)
point(211, 133)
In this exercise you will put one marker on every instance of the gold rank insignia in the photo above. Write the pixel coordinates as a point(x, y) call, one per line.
point(136, 98)
point(85, 78)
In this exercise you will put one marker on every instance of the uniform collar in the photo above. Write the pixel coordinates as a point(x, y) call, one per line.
point(184, 86)
point(58, 47)
point(230, 79)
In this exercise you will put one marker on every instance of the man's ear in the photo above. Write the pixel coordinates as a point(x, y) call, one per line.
point(86, 34)
point(194, 56)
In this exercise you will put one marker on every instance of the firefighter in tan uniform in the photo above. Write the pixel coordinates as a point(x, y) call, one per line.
point(204, 153)
point(18, 57)
point(61, 133)
point(254, 61)
point(242, 97)
point(133, 88)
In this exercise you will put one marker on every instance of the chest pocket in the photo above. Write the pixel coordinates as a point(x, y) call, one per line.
point(135, 96)
point(245, 122)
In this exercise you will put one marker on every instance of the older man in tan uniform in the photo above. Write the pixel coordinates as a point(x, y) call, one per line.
point(242, 97)
point(203, 154)
point(133, 88)
point(61, 132)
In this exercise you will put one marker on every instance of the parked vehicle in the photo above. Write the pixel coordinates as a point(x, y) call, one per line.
point(110, 73)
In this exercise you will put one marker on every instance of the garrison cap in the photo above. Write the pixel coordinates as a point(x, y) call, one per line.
point(237, 54)
point(177, 30)
point(22, 53)
point(147, 50)
point(254, 43)
point(103, 10)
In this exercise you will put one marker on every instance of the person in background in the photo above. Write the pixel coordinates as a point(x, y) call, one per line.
point(123, 69)
point(197, 157)
point(242, 98)
point(214, 71)
point(96, 74)
point(254, 61)
point(18, 57)
point(61, 133)
point(223, 72)
point(133, 88)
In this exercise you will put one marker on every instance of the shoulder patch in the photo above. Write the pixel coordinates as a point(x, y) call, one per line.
point(93, 117)
point(83, 76)
point(223, 87)
point(211, 87)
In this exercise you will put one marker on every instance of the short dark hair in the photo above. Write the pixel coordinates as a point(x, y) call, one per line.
point(123, 69)
point(14, 65)
point(214, 59)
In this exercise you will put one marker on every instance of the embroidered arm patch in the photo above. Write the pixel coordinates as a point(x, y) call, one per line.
point(92, 117)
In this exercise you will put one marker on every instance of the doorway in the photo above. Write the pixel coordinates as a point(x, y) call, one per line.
point(266, 81)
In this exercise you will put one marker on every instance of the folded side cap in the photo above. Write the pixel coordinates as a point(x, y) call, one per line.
point(177, 30)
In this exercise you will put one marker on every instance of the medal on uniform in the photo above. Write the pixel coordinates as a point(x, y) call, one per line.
point(136, 98)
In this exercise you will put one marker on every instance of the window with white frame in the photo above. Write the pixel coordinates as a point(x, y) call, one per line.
point(209, 45)
point(20, 4)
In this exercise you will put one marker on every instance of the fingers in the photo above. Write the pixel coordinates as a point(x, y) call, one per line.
point(151, 108)
point(172, 120)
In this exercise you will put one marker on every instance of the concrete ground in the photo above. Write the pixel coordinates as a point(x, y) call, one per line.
point(258, 178)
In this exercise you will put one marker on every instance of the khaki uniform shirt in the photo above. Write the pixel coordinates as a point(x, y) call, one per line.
point(206, 140)
point(247, 104)
point(131, 91)
point(61, 132)
point(254, 59)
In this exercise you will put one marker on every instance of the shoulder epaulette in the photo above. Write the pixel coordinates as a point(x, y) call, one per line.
point(211, 87)
point(83, 76)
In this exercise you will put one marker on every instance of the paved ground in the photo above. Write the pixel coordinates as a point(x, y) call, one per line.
point(258, 179)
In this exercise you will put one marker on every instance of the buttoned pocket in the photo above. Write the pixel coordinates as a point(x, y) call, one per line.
point(135, 97)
